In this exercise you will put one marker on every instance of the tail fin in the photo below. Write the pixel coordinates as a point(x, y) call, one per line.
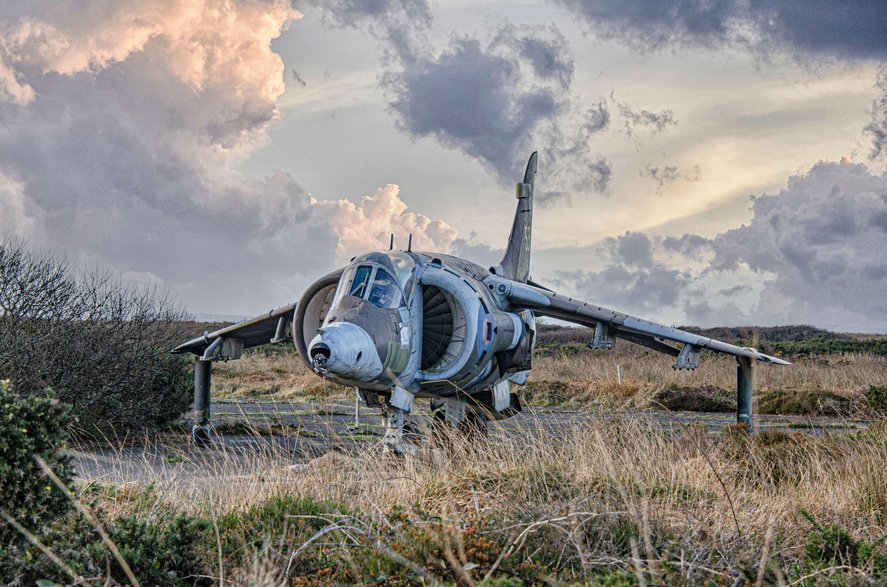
point(516, 263)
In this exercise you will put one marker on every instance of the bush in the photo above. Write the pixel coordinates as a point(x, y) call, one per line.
point(831, 545)
point(101, 345)
point(31, 427)
point(877, 398)
point(705, 398)
point(166, 550)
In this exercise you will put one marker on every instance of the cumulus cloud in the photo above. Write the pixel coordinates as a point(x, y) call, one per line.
point(122, 124)
point(811, 253)
point(855, 30)
point(368, 224)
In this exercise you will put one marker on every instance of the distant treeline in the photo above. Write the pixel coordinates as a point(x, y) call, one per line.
point(796, 340)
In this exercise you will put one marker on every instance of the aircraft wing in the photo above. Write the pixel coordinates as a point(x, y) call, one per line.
point(609, 324)
point(274, 326)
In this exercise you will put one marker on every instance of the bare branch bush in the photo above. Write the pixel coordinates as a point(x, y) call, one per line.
point(99, 343)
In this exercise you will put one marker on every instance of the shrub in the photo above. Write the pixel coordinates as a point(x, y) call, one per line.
point(830, 545)
point(876, 397)
point(168, 550)
point(100, 344)
point(29, 427)
point(705, 398)
point(803, 403)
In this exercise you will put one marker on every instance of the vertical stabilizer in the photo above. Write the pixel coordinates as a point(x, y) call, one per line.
point(516, 263)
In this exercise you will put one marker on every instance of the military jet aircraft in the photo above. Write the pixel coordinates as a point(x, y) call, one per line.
point(400, 324)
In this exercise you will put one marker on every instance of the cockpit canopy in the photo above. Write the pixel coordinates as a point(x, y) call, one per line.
point(375, 285)
point(385, 280)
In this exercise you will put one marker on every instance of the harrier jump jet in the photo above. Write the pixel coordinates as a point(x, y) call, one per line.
point(400, 325)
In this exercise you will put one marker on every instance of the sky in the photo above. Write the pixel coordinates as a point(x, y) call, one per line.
point(706, 162)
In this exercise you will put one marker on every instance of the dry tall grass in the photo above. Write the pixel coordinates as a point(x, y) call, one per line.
point(586, 377)
point(606, 494)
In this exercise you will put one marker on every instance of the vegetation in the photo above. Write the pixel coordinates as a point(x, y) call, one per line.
point(606, 502)
point(102, 346)
point(29, 427)
point(788, 341)
point(576, 377)
point(876, 397)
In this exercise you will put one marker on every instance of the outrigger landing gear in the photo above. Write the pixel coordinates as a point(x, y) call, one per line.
point(745, 385)
point(202, 383)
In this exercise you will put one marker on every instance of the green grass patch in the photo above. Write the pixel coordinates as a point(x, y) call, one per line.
point(803, 403)
point(704, 398)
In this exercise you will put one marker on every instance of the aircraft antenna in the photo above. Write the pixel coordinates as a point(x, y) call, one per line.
point(391, 244)
point(410, 244)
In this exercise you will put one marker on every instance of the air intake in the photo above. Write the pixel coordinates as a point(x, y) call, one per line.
point(437, 326)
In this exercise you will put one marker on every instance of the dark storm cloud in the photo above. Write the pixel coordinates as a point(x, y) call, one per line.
point(633, 248)
point(550, 58)
point(497, 101)
point(811, 253)
point(643, 290)
point(691, 246)
point(853, 29)
point(474, 98)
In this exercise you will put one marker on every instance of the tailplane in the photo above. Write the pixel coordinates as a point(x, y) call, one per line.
point(516, 263)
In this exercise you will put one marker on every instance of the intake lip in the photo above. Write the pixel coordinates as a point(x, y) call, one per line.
point(320, 353)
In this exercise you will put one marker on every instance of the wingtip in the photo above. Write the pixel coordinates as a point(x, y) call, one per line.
point(773, 360)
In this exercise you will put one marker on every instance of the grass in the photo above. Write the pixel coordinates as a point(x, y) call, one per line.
point(574, 376)
point(610, 499)
point(606, 499)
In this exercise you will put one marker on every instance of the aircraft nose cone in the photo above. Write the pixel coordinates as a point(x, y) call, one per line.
point(347, 350)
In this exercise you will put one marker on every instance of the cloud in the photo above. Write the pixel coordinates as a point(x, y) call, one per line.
point(877, 128)
point(663, 174)
point(120, 140)
point(853, 30)
point(549, 57)
point(632, 118)
point(473, 250)
point(810, 254)
point(498, 101)
point(633, 248)
point(368, 224)
point(399, 23)
point(495, 100)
